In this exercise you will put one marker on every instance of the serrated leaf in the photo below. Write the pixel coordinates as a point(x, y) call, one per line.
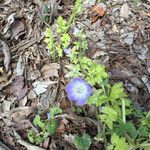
point(94, 98)
point(144, 131)
point(109, 116)
point(54, 111)
point(82, 143)
point(119, 143)
point(74, 71)
point(51, 127)
point(126, 128)
point(65, 40)
point(49, 40)
point(117, 91)
point(61, 25)
point(31, 135)
point(96, 74)
point(37, 122)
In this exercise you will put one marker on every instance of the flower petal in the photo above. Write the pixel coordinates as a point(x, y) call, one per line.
point(78, 90)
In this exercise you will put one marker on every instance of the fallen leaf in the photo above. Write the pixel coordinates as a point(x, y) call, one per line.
point(17, 28)
point(125, 11)
point(41, 86)
point(61, 127)
point(20, 66)
point(6, 105)
point(31, 95)
point(127, 38)
point(18, 114)
point(34, 74)
point(10, 20)
point(52, 145)
point(143, 53)
point(18, 88)
point(7, 55)
point(45, 143)
point(96, 11)
point(50, 70)
point(146, 82)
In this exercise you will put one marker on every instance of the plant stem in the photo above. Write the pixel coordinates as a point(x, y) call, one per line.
point(144, 145)
point(97, 117)
point(148, 115)
point(123, 110)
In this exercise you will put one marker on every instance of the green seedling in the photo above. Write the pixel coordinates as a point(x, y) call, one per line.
point(45, 127)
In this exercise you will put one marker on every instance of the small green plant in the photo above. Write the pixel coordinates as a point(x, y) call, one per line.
point(112, 101)
point(56, 48)
point(76, 10)
point(45, 127)
point(82, 143)
point(122, 125)
point(63, 40)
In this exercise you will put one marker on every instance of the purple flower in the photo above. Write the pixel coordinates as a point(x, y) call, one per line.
point(67, 51)
point(75, 31)
point(78, 91)
point(48, 116)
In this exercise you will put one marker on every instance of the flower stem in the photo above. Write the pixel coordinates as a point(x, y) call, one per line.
point(97, 117)
point(123, 110)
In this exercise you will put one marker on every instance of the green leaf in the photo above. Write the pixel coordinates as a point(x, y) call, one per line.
point(144, 131)
point(82, 143)
point(37, 122)
point(96, 74)
point(65, 40)
point(117, 91)
point(61, 25)
point(102, 99)
point(54, 111)
point(119, 143)
point(74, 71)
point(51, 127)
point(94, 98)
point(39, 139)
point(125, 128)
point(31, 135)
point(109, 116)
point(59, 50)
point(49, 40)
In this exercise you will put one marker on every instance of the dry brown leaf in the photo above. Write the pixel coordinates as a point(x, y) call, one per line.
point(18, 88)
point(17, 28)
point(50, 70)
point(18, 114)
point(45, 143)
point(95, 12)
point(125, 11)
point(7, 55)
point(61, 128)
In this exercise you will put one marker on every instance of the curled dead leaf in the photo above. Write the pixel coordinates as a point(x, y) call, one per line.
point(96, 11)
point(50, 70)
point(18, 114)
point(18, 88)
point(61, 127)
point(7, 55)
point(17, 28)
point(125, 11)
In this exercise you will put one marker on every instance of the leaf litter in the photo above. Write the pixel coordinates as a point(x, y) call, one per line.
point(118, 36)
